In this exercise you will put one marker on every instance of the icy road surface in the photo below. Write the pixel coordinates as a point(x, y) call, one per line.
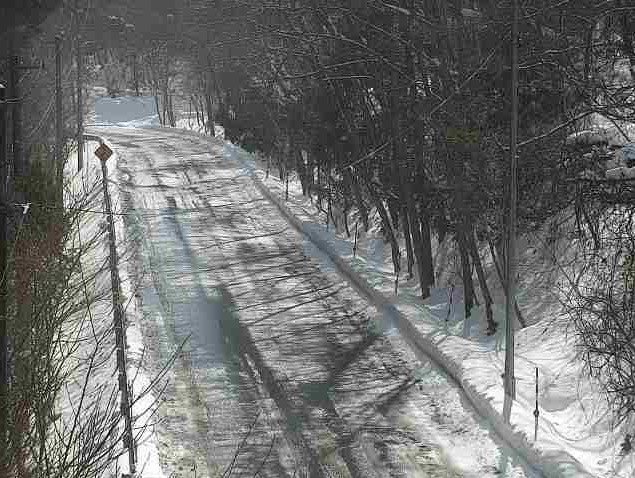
point(285, 371)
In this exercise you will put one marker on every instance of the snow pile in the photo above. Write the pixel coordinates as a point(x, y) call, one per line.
point(126, 111)
point(144, 404)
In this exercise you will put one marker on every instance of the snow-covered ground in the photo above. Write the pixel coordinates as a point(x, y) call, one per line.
point(92, 328)
point(575, 433)
point(575, 436)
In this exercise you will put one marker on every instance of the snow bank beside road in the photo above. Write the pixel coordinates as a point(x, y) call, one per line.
point(561, 449)
point(127, 111)
point(144, 402)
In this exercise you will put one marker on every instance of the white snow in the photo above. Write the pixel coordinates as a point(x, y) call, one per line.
point(126, 111)
point(92, 222)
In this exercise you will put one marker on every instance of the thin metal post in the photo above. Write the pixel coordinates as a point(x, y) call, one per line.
point(510, 386)
point(118, 320)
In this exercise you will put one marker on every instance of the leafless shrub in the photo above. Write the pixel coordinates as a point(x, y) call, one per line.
point(63, 407)
point(603, 308)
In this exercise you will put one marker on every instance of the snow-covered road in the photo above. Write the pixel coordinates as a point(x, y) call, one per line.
point(275, 346)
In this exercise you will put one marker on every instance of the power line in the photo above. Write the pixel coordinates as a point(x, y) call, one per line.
point(34, 131)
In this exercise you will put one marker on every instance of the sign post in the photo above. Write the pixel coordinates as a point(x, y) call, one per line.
point(103, 152)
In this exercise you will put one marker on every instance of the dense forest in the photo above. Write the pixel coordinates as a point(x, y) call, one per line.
point(402, 107)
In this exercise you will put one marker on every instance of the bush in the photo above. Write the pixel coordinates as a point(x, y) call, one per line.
point(603, 310)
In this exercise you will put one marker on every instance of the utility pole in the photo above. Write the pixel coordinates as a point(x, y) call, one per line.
point(4, 343)
point(16, 120)
point(80, 117)
point(510, 385)
point(59, 116)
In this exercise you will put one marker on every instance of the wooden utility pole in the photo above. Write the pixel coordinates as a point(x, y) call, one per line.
point(4, 345)
point(59, 116)
point(509, 382)
point(20, 163)
point(80, 116)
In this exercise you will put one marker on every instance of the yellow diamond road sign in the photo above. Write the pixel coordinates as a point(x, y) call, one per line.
point(103, 152)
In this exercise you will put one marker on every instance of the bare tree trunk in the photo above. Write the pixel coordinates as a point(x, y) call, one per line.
point(301, 168)
point(189, 114)
point(478, 265)
point(418, 246)
point(194, 103)
point(210, 115)
point(281, 168)
point(311, 175)
point(201, 108)
point(329, 212)
point(346, 228)
point(156, 103)
point(171, 111)
point(361, 206)
point(388, 228)
point(165, 107)
point(466, 271)
point(319, 184)
point(393, 209)
point(426, 246)
point(406, 232)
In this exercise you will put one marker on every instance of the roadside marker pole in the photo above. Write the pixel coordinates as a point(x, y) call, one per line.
point(536, 411)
